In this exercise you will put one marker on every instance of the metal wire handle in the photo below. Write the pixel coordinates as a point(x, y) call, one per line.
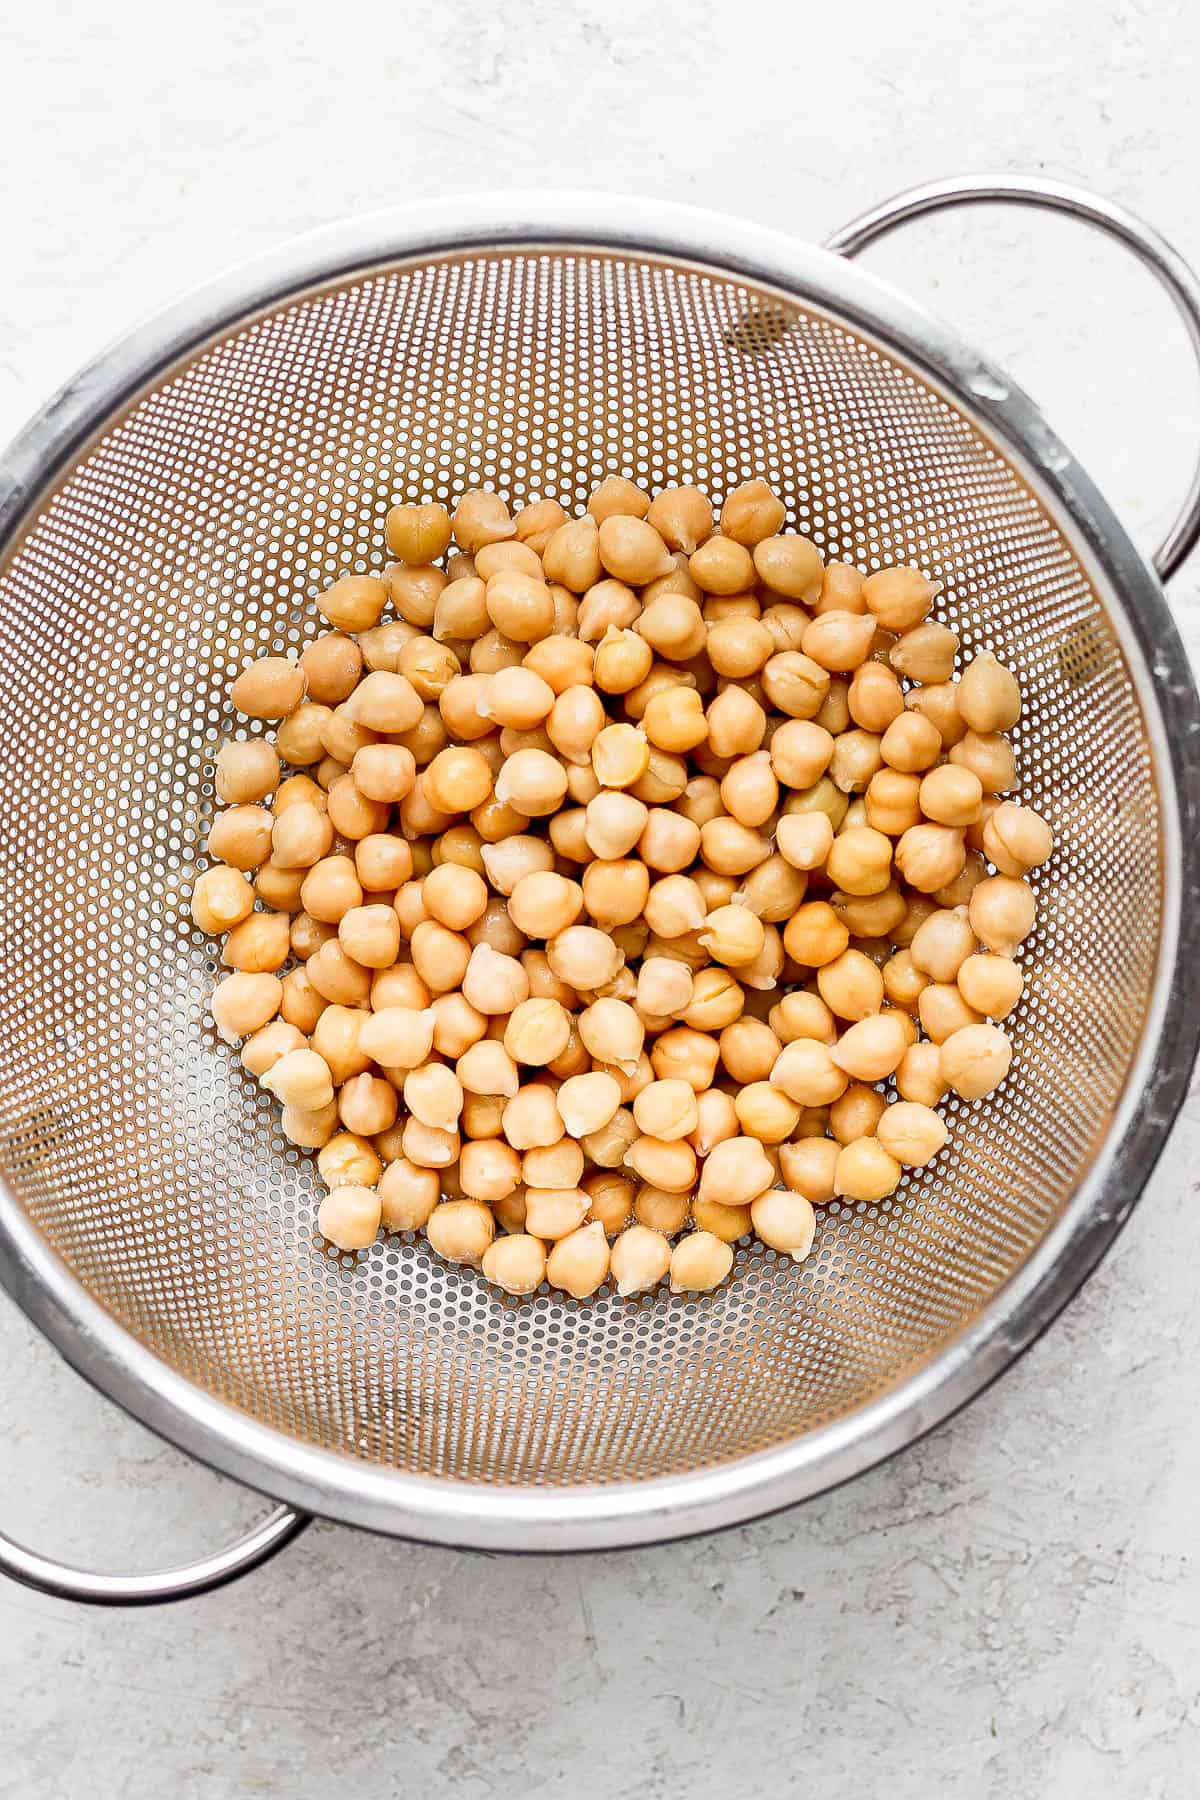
point(62, 1581)
point(1151, 250)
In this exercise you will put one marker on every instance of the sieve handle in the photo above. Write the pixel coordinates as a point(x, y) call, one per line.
point(1151, 250)
point(64, 1582)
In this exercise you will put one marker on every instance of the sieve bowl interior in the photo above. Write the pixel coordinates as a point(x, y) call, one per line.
point(191, 533)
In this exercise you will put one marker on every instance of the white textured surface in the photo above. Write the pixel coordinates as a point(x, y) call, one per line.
point(1011, 1609)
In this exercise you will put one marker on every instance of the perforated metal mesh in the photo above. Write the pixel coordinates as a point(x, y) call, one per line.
point(194, 536)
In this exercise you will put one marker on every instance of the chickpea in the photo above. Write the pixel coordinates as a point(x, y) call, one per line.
point(1002, 911)
point(461, 1230)
point(485, 1067)
point(572, 555)
point(736, 1171)
point(555, 1212)
point(428, 1147)
point(640, 1260)
point(749, 790)
point(682, 516)
point(246, 771)
point(454, 896)
point(418, 534)
point(874, 697)
point(919, 1076)
point(578, 1263)
point(795, 684)
point(928, 857)
point(749, 1049)
point(739, 647)
point(675, 721)
point(733, 935)
point(860, 861)
point(270, 688)
point(866, 1171)
point(513, 859)
point(666, 1110)
point(814, 935)
point(456, 1025)
point(873, 1049)
point(335, 1038)
point(839, 642)
point(809, 1168)
point(493, 651)
point(608, 606)
point(267, 1046)
point(407, 1195)
point(806, 1072)
point(851, 986)
point(804, 839)
point(736, 723)
point(221, 898)
point(441, 958)
point(751, 513)
point(614, 893)
point(241, 837)
point(952, 796)
point(537, 1031)
point(975, 1060)
point(331, 666)
point(301, 1078)
point(260, 944)
point(893, 802)
point(613, 1033)
point(765, 1112)
point(687, 1054)
point(279, 888)
point(623, 660)
point(899, 598)
point(721, 566)
point(367, 1104)
point(784, 1219)
point(790, 565)
point(586, 1103)
point(583, 958)
point(664, 778)
point(537, 523)
point(516, 1263)
point(990, 757)
point(481, 517)
point(902, 980)
point(855, 1113)
point(543, 904)
point(988, 696)
point(349, 1216)
point(699, 1262)
point(482, 1118)
point(857, 759)
point(347, 1160)
point(1016, 839)
point(942, 943)
point(717, 999)
point(370, 935)
point(620, 756)
point(489, 1169)
point(401, 986)
point(925, 653)
point(990, 985)
point(822, 797)
point(943, 1011)
point(562, 662)
point(938, 704)
point(494, 982)
point(911, 744)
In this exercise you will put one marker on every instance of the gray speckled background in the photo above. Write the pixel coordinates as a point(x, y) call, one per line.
point(1011, 1609)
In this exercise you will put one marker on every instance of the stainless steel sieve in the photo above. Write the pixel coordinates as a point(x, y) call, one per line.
point(173, 512)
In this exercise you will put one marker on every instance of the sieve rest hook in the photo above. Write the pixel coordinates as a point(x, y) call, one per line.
point(1151, 250)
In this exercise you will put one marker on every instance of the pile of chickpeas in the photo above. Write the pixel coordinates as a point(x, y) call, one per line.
point(640, 882)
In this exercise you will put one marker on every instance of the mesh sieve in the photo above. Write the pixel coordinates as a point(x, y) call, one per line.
point(190, 528)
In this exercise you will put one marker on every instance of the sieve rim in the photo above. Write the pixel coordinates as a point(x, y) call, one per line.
point(487, 1516)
